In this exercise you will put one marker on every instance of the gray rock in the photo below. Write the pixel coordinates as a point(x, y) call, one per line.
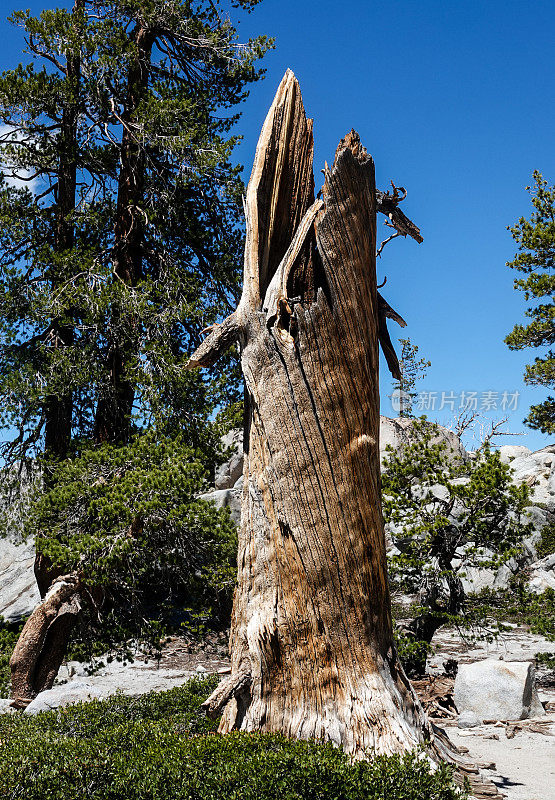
point(18, 588)
point(131, 679)
point(398, 432)
point(542, 574)
point(504, 574)
point(493, 689)
point(550, 448)
point(229, 473)
point(65, 695)
point(509, 452)
point(440, 492)
point(540, 580)
point(538, 471)
point(5, 707)
point(539, 517)
point(548, 562)
point(226, 498)
point(476, 579)
point(468, 719)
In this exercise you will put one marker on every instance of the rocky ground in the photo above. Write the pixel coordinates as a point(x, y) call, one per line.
point(521, 753)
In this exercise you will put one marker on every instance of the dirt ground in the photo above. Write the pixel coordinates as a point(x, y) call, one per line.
point(523, 753)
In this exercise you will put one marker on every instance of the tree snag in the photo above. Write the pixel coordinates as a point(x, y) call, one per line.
point(311, 638)
point(42, 644)
point(311, 643)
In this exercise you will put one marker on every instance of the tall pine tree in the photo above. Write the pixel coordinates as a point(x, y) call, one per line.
point(128, 242)
point(120, 241)
point(536, 258)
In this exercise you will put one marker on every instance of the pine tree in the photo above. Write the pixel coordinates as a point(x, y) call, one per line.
point(536, 258)
point(129, 243)
point(411, 371)
point(124, 244)
point(446, 514)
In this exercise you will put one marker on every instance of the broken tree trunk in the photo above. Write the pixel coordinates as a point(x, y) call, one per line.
point(42, 644)
point(311, 636)
point(312, 642)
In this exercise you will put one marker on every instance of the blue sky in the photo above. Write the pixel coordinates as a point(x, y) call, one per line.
point(454, 100)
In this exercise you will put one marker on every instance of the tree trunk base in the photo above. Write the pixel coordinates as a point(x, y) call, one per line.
point(374, 713)
point(42, 644)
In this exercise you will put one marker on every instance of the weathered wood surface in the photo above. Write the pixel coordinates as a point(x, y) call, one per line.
point(42, 644)
point(311, 637)
point(311, 622)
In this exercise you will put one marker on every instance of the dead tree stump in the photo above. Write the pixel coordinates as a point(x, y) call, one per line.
point(311, 637)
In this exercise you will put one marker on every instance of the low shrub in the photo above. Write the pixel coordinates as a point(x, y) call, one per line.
point(161, 747)
point(8, 637)
point(411, 652)
point(546, 545)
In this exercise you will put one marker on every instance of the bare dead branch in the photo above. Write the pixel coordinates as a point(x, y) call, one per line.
point(221, 337)
point(387, 203)
point(464, 421)
point(385, 309)
point(385, 241)
point(231, 686)
point(494, 430)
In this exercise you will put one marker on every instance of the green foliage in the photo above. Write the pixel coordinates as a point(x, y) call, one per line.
point(536, 258)
point(231, 417)
point(412, 370)
point(8, 637)
point(447, 514)
point(540, 613)
point(148, 749)
point(411, 652)
point(62, 308)
point(546, 660)
point(179, 707)
point(121, 234)
point(546, 545)
point(127, 520)
point(518, 605)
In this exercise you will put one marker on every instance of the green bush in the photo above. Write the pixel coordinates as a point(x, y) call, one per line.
point(446, 515)
point(411, 652)
point(159, 747)
point(546, 545)
point(128, 521)
point(518, 605)
point(8, 638)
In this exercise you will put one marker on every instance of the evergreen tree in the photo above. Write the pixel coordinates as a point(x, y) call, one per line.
point(148, 563)
point(446, 514)
point(536, 258)
point(127, 242)
point(121, 239)
point(412, 369)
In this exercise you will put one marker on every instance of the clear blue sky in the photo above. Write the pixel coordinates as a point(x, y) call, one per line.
point(454, 100)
